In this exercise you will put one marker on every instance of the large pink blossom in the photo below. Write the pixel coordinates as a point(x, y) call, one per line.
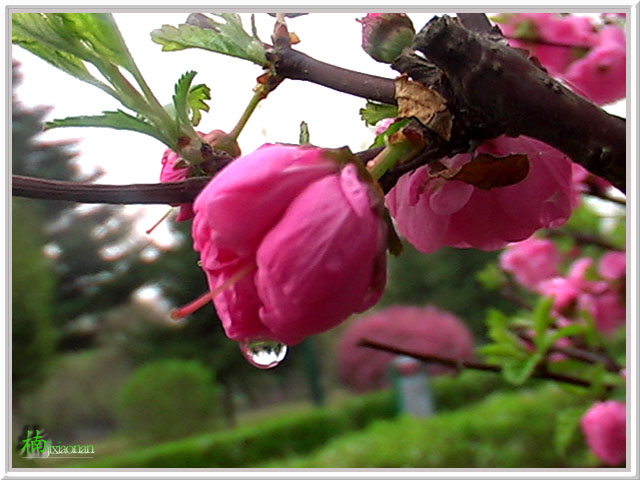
point(605, 428)
point(432, 212)
point(531, 261)
point(426, 330)
point(294, 238)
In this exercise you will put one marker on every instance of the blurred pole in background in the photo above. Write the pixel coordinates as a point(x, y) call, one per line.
point(312, 369)
point(411, 387)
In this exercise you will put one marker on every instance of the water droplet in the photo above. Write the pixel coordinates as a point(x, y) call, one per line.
point(263, 353)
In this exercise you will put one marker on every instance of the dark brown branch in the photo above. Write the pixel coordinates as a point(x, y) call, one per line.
point(476, 22)
point(541, 372)
point(295, 65)
point(501, 88)
point(169, 193)
point(151, 193)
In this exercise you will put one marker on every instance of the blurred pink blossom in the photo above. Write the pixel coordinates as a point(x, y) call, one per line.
point(531, 261)
point(601, 76)
point(605, 427)
point(613, 265)
point(427, 330)
point(292, 241)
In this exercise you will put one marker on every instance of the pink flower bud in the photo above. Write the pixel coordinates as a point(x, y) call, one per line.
point(605, 428)
point(293, 237)
point(386, 35)
point(432, 212)
point(531, 261)
point(169, 173)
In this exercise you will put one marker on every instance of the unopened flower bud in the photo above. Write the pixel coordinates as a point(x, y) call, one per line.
point(386, 35)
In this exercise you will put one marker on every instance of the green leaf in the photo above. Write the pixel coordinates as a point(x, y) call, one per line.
point(552, 337)
point(542, 318)
point(118, 120)
point(499, 350)
point(196, 100)
point(99, 32)
point(373, 112)
point(181, 99)
point(304, 133)
point(46, 38)
point(227, 37)
point(517, 371)
point(491, 276)
point(93, 37)
point(567, 422)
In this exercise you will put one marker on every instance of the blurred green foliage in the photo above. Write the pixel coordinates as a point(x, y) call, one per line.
point(167, 399)
point(508, 429)
point(297, 433)
point(79, 394)
point(33, 334)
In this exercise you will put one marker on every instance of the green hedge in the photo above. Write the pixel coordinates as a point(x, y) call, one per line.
point(508, 429)
point(293, 434)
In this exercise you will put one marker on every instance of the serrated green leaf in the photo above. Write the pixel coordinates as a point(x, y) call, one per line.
point(196, 99)
point(567, 422)
point(373, 112)
point(118, 120)
point(517, 371)
point(181, 98)
point(227, 37)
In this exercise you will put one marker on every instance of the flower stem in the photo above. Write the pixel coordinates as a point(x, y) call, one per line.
point(260, 92)
point(401, 148)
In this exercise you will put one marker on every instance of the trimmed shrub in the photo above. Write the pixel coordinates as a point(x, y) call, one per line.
point(294, 434)
point(167, 399)
point(508, 429)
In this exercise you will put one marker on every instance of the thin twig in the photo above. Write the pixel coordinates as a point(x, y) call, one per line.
point(540, 372)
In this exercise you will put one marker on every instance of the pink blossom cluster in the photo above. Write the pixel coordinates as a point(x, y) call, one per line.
point(588, 57)
point(605, 427)
point(432, 211)
point(535, 264)
point(425, 330)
